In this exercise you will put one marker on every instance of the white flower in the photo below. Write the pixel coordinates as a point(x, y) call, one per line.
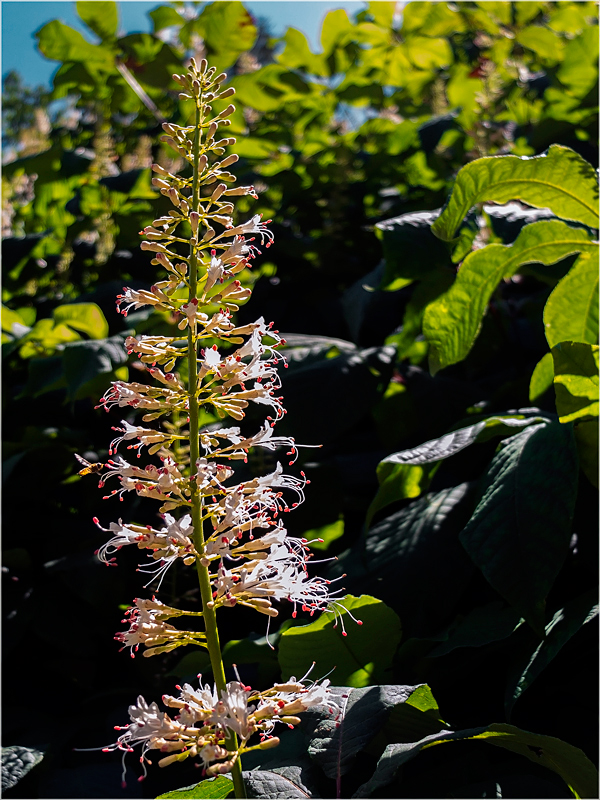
point(231, 712)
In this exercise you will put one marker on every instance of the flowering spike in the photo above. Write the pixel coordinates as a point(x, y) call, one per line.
point(231, 533)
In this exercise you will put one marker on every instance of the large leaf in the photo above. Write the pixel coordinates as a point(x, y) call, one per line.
point(274, 786)
point(519, 543)
point(569, 762)
point(227, 29)
point(84, 361)
point(401, 482)
point(563, 625)
point(335, 738)
point(399, 564)
point(586, 435)
point(490, 623)
point(62, 43)
point(455, 441)
point(17, 760)
point(85, 317)
point(216, 788)
point(451, 323)
point(409, 247)
point(571, 312)
point(351, 655)
point(541, 378)
point(559, 179)
point(576, 380)
point(101, 17)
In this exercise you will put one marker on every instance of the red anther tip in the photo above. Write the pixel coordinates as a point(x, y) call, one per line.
point(95, 520)
point(344, 633)
point(359, 621)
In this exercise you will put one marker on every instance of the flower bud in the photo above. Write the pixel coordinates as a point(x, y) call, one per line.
point(231, 159)
point(218, 192)
point(194, 220)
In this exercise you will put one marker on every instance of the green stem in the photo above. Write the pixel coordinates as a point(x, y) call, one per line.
point(210, 620)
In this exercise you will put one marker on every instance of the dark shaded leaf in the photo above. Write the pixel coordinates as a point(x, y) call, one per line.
point(563, 625)
point(519, 543)
point(16, 763)
point(409, 247)
point(569, 762)
point(83, 361)
point(576, 380)
point(335, 739)
point(274, 785)
point(455, 441)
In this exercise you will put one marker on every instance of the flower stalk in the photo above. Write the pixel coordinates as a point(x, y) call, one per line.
point(233, 533)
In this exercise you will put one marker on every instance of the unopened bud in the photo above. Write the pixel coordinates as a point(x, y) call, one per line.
point(220, 78)
point(227, 112)
point(218, 192)
point(227, 93)
point(160, 183)
point(227, 162)
point(212, 129)
point(194, 220)
point(202, 163)
point(269, 743)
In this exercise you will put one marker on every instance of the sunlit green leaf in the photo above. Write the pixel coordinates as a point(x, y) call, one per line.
point(85, 317)
point(452, 322)
point(560, 180)
point(542, 41)
point(100, 16)
point(576, 380)
point(352, 655)
point(62, 43)
point(571, 312)
point(542, 377)
point(216, 788)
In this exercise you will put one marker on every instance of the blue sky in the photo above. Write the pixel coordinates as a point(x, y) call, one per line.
point(21, 19)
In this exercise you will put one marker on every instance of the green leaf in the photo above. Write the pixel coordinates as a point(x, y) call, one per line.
point(490, 623)
point(559, 179)
point(544, 42)
point(164, 17)
point(576, 380)
point(409, 247)
point(62, 43)
point(273, 786)
point(571, 312)
point(335, 27)
point(84, 361)
point(13, 323)
point(85, 317)
point(101, 17)
point(298, 55)
point(352, 656)
point(586, 435)
point(227, 29)
point(335, 738)
point(220, 787)
point(426, 53)
point(563, 625)
point(517, 542)
point(17, 761)
point(579, 70)
point(452, 322)
point(542, 377)
point(328, 533)
point(455, 441)
point(569, 762)
point(396, 557)
point(403, 481)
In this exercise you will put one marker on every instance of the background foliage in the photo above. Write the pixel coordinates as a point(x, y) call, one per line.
point(472, 560)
